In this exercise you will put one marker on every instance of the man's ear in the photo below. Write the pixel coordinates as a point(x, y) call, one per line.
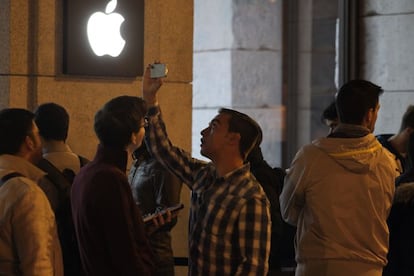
point(29, 143)
point(369, 116)
point(409, 130)
point(133, 138)
point(234, 137)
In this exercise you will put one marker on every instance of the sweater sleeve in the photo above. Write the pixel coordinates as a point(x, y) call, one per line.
point(292, 198)
point(173, 158)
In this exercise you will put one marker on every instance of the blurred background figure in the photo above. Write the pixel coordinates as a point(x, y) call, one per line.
point(282, 251)
point(397, 144)
point(53, 123)
point(154, 188)
point(61, 165)
point(329, 117)
point(401, 223)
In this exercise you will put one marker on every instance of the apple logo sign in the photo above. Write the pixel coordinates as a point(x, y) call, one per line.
point(103, 30)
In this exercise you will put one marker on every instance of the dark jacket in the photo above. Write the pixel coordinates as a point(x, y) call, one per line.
point(271, 182)
point(401, 226)
point(155, 188)
point(108, 224)
point(383, 139)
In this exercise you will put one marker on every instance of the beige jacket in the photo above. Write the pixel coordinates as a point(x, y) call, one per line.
point(339, 192)
point(29, 243)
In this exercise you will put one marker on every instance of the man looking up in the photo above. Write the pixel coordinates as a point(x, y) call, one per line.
point(229, 232)
point(338, 192)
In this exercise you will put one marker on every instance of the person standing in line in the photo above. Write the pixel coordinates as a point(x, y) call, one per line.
point(108, 224)
point(270, 181)
point(154, 188)
point(397, 144)
point(61, 164)
point(339, 190)
point(229, 227)
point(329, 117)
point(53, 123)
point(29, 243)
point(401, 223)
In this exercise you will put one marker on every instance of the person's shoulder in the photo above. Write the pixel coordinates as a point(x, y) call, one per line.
point(383, 139)
point(310, 150)
point(251, 188)
point(83, 160)
point(404, 194)
point(22, 186)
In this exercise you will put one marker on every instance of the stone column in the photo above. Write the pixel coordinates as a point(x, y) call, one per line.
point(237, 64)
point(387, 36)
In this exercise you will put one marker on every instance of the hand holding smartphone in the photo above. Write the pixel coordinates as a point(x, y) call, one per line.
point(158, 70)
point(173, 209)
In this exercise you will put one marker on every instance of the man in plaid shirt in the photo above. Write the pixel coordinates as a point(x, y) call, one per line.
point(229, 231)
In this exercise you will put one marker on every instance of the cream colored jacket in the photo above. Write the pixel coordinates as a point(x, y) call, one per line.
point(29, 243)
point(338, 192)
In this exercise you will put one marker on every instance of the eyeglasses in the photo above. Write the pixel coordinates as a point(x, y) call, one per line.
point(145, 123)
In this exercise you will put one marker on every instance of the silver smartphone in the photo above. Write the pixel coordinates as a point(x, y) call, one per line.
point(158, 70)
point(148, 217)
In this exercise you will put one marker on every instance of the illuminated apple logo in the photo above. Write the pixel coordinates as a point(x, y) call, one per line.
point(104, 33)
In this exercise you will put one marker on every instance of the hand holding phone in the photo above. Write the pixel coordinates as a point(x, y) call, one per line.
point(173, 209)
point(158, 70)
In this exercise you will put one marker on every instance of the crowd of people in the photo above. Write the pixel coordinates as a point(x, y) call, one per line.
point(332, 212)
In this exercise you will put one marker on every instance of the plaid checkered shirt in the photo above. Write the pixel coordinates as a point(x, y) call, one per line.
point(229, 229)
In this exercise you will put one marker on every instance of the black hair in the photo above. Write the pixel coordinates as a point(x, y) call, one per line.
point(118, 119)
point(52, 121)
point(329, 113)
point(354, 99)
point(249, 130)
point(408, 118)
point(15, 125)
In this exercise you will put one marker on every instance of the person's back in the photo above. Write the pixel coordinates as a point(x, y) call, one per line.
point(108, 224)
point(61, 165)
point(338, 191)
point(28, 236)
point(401, 226)
point(345, 200)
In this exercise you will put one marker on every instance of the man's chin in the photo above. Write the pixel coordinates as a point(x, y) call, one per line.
point(204, 154)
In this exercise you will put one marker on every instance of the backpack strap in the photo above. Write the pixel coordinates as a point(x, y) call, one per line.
point(8, 177)
point(83, 160)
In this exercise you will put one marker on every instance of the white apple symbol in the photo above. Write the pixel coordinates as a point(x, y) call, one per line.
point(103, 31)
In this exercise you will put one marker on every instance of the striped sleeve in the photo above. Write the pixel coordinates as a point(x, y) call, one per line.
point(173, 158)
point(254, 232)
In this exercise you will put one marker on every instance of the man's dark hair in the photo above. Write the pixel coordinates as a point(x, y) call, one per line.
point(52, 121)
point(118, 119)
point(354, 99)
point(249, 130)
point(408, 118)
point(15, 125)
point(329, 113)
